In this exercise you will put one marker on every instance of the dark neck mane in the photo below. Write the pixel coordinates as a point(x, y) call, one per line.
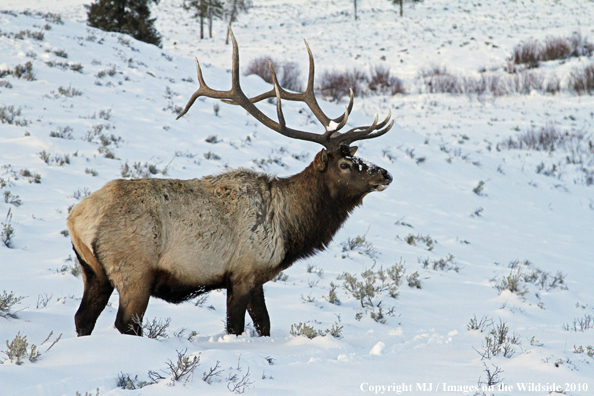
point(310, 216)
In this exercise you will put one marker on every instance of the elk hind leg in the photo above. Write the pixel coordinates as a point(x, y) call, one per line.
point(97, 290)
point(258, 312)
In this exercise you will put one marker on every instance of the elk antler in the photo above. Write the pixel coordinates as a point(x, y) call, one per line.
point(331, 138)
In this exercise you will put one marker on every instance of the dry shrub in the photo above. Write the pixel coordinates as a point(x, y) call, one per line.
point(444, 83)
point(556, 48)
point(440, 80)
point(547, 138)
point(357, 79)
point(581, 80)
point(580, 45)
point(291, 78)
point(288, 73)
point(433, 70)
point(576, 147)
point(492, 84)
point(382, 81)
point(511, 67)
point(261, 67)
point(527, 53)
point(495, 85)
point(553, 85)
point(524, 82)
point(532, 52)
point(337, 84)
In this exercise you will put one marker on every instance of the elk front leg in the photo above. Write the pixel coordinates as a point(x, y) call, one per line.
point(258, 312)
point(134, 300)
point(238, 297)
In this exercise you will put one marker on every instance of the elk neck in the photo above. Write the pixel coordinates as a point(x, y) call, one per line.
point(309, 214)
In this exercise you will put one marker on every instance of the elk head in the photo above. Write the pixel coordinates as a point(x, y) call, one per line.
point(349, 176)
point(345, 173)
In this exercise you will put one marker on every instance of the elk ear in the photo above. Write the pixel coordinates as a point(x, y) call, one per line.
point(353, 150)
point(321, 160)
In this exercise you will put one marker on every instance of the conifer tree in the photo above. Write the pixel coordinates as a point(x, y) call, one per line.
point(125, 16)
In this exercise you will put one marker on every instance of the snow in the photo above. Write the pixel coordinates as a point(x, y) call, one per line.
point(332, 126)
point(439, 151)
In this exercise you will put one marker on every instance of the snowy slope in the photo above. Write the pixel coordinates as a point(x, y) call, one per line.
point(109, 101)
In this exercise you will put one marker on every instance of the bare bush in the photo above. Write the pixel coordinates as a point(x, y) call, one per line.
point(532, 52)
point(7, 300)
point(486, 84)
point(261, 67)
point(443, 264)
point(492, 376)
point(511, 67)
point(139, 170)
point(553, 85)
point(239, 385)
point(302, 329)
point(7, 230)
point(183, 369)
point(556, 48)
point(576, 146)
point(337, 84)
point(527, 53)
point(62, 133)
point(440, 80)
point(580, 324)
point(19, 348)
point(125, 381)
point(524, 82)
point(291, 77)
point(373, 284)
point(547, 138)
point(69, 92)
point(288, 73)
point(580, 45)
point(9, 114)
point(581, 80)
point(20, 71)
point(479, 324)
point(157, 329)
point(382, 81)
point(499, 342)
point(523, 273)
point(213, 373)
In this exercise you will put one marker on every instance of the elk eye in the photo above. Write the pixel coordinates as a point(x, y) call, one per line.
point(345, 165)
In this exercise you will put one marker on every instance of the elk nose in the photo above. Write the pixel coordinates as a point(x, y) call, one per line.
point(387, 176)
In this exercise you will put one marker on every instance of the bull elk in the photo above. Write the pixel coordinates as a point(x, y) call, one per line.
point(175, 239)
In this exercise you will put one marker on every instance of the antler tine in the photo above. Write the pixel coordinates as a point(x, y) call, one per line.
point(365, 132)
point(277, 88)
point(235, 65)
point(384, 122)
point(205, 90)
point(196, 94)
point(377, 133)
point(310, 98)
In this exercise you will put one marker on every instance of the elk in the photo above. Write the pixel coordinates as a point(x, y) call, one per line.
point(175, 239)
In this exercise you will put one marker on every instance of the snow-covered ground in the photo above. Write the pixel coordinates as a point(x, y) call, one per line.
point(464, 212)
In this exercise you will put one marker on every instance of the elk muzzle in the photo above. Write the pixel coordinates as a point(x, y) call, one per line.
point(382, 184)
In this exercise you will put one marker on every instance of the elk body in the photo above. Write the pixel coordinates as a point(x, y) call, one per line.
point(175, 239)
